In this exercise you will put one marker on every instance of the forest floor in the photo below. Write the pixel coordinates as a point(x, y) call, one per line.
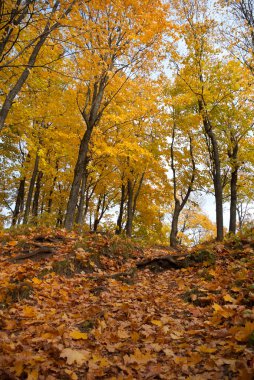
point(67, 312)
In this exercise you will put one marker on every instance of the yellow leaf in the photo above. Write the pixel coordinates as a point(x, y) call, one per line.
point(228, 298)
point(217, 307)
point(195, 359)
point(122, 334)
point(181, 284)
point(243, 333)
point(206, 350)
point(180, 360)
point(29, 311)
point(176, 334)
point(235, 289)
point(135, 336)
point(72, 374)
point(78, 335)
point(19, 366)
point(156, 322)
point(138, 357)
point(36, 280)
point(33, 375)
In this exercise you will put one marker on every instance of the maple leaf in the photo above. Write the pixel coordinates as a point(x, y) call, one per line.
point(206, 349)
point(156, 322)
point(13, 243)
point(138, 357)
point(36, 281)
point(122, 334)
point(242, 333)
point(78, 335)
point(29, 311)
point(228, 298)
point(72, 356)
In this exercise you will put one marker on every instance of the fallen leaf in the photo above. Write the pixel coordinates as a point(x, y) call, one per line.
point(156, 322)
point(228, 298)
point(242, 333)
point(36, 280)
point(206, 350)
point(138, 357)
point(72, 356)
point(78, 335)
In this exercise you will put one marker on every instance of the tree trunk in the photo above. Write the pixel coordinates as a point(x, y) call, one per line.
point(129, 208)
point(216, 170)
point(96, 217)
point(50, 200)
point(31, 189)
point(78, 173)
point(35, 206)
point(19, 206)
point(120, 215)
point(80, 214)
point(233, 190)
point(178, 207)
point(174, 225)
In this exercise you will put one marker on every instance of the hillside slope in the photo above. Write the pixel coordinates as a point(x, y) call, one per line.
point(75, 307)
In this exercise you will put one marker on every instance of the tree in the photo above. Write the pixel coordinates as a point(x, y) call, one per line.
point(121, 43)
point(243, 37)
point(17, 17)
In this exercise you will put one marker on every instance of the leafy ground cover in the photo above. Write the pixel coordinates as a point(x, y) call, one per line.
point(75, 307)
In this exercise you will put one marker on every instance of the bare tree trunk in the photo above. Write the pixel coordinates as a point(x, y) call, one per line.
point(96, 216)
point(31, 189)
point(233, 189)
point(50, 200)
point(129, 208)
point(80, 213)
point(35, 206)
point(178, 206)
point(120, 215)
point(19, 206)
point(216, 170)
point(174, 224)
point(78, 173)
point(91, 118)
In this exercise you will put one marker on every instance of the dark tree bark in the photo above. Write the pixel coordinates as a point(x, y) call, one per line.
point(19, 206)
point(121, 210)
point(178, 206)
point(35, 206)
point(82, 200)
point(91, 119)
point(78, 173)
point(96, 217)
point(20, 14)
point(50, 200)
point(129, 208)
point(31, 189)
point(216, 172)
point(174, 224)
point(132, 202)
point(233, 188)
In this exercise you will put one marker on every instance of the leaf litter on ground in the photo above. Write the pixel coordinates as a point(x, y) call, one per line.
point(72, 315)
